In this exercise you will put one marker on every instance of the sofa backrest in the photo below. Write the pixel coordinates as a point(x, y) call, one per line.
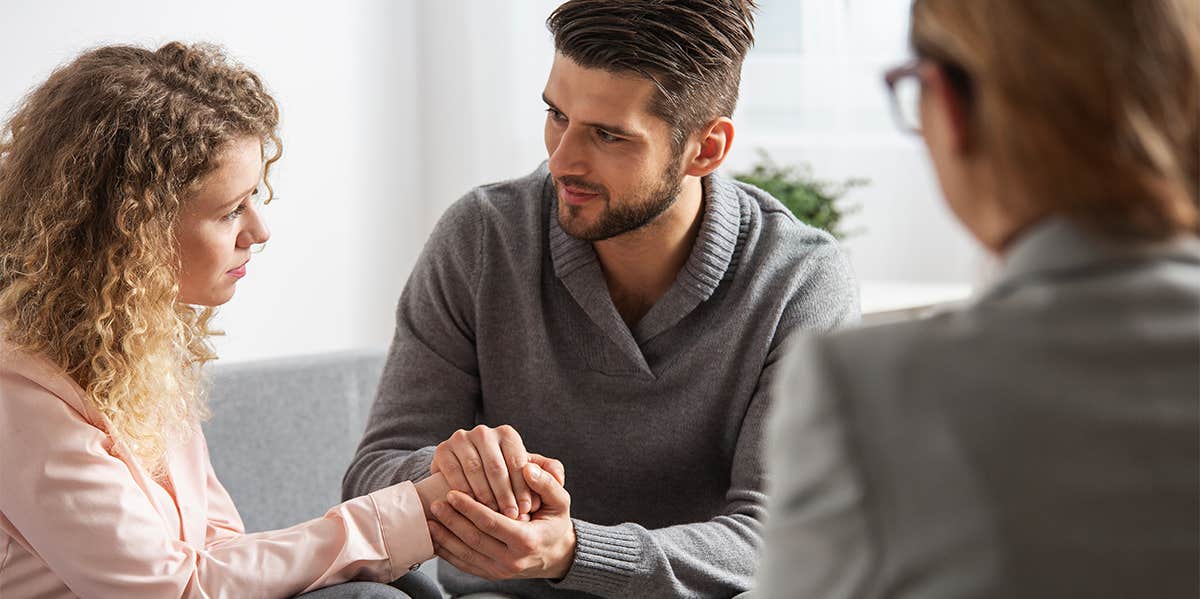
point(283, 432)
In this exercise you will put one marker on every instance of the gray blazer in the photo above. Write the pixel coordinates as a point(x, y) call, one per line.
point(1042, 442)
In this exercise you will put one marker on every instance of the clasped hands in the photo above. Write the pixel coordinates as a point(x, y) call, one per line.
point(506, 513)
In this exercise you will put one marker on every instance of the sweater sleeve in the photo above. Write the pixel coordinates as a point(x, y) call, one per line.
point(826, 296)
point(719, 557)
point(81, 511)
point(430, 383)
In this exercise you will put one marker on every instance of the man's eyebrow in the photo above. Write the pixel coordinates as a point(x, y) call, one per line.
point(616, 129)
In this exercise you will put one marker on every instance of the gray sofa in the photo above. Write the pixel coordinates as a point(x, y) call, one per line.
point(283, 431)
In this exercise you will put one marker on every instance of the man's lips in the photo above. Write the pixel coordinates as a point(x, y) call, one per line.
point(576, 196)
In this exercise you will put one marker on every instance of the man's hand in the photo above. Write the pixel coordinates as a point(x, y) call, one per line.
point(555, 468)
point(486, 464)
point(479, 541)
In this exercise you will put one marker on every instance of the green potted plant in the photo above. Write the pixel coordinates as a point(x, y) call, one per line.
point(814, 201)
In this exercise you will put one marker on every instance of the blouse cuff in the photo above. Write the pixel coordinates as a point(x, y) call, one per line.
point(402, 522)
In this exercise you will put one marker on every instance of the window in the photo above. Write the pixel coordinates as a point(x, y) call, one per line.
point(812, 92)
point(815, 69)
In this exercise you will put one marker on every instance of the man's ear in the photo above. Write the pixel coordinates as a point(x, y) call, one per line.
point(715, 140)
point(950, 107)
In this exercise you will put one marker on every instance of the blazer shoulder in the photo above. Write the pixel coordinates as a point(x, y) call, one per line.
point(898, 346)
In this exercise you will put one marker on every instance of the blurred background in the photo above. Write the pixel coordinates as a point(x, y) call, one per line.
point(392, 109)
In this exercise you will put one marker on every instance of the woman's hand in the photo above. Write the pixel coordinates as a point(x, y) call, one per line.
point(430, 490)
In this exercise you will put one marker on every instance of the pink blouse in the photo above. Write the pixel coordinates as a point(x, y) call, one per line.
point(79, 518)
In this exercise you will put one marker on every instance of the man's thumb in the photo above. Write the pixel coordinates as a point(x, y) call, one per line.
point(534, 474)
point(545, 485)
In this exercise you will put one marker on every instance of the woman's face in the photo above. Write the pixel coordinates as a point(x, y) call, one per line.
point(963, 169)
point(966, 171)
point(943, 128)
point(219, 223)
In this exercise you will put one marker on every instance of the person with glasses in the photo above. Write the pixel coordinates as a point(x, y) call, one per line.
point(1043, 441)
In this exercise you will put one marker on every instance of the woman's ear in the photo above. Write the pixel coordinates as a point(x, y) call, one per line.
point(945, 113)
point(715, 141)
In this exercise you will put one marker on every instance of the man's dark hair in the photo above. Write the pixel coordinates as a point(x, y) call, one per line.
point(691, 49)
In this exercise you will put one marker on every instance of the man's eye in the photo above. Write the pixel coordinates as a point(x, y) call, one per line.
point(556, 115)
point(607, 137)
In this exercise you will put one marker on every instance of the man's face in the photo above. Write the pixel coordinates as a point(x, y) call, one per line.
point(613, 163)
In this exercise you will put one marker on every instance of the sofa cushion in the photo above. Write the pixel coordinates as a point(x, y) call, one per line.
point(283, 432)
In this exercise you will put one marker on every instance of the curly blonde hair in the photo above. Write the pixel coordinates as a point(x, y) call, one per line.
point(95, 166)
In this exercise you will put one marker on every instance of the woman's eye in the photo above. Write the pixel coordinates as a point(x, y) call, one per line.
point(236, 212)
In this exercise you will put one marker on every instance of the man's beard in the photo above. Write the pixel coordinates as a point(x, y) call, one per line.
point(635, 211)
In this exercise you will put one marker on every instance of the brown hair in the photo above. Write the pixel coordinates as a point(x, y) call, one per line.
point(691, 49)
point(1091, 108)
point(95, 165)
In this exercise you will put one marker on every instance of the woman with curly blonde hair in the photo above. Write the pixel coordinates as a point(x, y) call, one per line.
point(127, 212)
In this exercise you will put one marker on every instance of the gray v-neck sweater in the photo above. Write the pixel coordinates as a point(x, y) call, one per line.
point(506, 319)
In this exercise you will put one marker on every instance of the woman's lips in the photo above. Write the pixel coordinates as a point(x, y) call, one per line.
point(238, 272)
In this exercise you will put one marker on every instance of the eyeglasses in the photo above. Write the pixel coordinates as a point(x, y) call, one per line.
point(904, 88)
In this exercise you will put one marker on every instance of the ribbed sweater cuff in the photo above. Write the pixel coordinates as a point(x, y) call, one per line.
point(606, 560)
point(416, 467)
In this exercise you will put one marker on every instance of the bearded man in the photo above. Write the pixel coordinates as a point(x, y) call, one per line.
point(622, 309)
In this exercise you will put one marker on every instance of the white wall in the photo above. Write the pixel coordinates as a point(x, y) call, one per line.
point(393, 109)
point(483, 67)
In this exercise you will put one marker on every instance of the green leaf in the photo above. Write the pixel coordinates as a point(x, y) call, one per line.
point(814, 201)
